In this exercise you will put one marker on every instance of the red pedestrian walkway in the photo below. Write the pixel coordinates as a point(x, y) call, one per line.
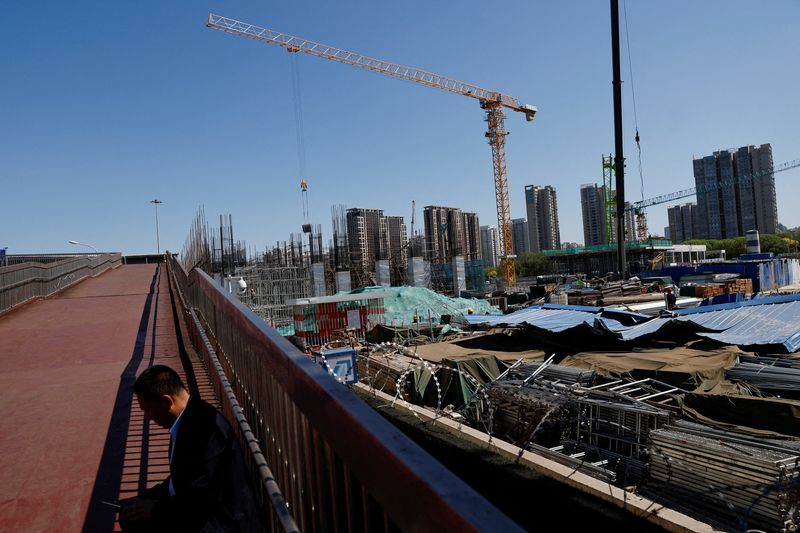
point(70, 431)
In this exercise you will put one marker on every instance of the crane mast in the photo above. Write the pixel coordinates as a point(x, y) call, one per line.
point(492, 102)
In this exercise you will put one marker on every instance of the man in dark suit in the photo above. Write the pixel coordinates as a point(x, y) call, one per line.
point(208, 488)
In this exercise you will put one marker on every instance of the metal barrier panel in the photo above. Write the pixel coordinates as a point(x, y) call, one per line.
point(340, 466)
point(24, 281)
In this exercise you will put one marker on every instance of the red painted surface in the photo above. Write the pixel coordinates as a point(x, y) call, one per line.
point(60, 365)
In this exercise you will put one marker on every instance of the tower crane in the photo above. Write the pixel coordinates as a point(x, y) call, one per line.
point(490, 101)
point(711, 187)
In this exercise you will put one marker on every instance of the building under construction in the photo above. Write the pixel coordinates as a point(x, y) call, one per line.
point(367, 248)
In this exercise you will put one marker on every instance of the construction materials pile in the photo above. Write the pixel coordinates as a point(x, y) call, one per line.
point(609, 292)
point(772, 375)
point(709, 286)
point(751, 482)
point(601, 429)
point(738, 286)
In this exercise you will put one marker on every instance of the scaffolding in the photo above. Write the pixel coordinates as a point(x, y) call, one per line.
point(280, 275)
point(609, 197)
point(303, 268)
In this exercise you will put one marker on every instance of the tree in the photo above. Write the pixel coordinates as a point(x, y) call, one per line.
point(777, 244)
point(529, 264)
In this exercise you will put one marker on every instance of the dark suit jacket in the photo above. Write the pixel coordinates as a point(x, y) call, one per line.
point(213, 489)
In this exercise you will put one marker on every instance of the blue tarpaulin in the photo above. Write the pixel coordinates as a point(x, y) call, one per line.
point(765, 321)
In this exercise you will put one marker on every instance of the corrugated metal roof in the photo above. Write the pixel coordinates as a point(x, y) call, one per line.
point(761, 321)
point(556, 318)
point(757, 300)
point(758, 322)
point(753, 325)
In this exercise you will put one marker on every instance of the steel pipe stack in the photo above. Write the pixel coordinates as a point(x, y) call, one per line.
point(744, 481)
point(785, 362)
point(766, 377)
point(563, 374)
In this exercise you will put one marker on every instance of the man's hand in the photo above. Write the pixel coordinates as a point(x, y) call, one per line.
point(134, 509)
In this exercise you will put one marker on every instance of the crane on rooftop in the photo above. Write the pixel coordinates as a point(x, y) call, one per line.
point(491, 101)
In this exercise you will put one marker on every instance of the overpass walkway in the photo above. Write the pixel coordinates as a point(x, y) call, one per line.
point(71, 433)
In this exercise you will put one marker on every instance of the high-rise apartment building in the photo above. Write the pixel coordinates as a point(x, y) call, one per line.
point(472, 236)
point(367, 239)
point(397, 243)
point(682, 222)
point(372, 236)
point(519, 235)
point(593, 209)
point(490, 245)
point(630, 224)
point(595, 221)
point(450, 232)
point(727, 205)
point(542, 209)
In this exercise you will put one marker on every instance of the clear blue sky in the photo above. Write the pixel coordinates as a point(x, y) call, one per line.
point(107, 105)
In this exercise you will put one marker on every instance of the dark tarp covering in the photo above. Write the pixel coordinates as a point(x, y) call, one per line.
point(384, 333)
point(762, 417)
point(504, 347)
point(455, 388)
point(683, 367)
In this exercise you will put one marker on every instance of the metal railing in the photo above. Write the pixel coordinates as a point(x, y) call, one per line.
point(23, 281)
point(327, 461)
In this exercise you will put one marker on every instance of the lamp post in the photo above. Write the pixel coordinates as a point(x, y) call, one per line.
point(158, 240)
point(84, 244)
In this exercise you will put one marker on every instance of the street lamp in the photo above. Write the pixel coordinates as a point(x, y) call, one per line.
point(84, 244)
point(158, 240)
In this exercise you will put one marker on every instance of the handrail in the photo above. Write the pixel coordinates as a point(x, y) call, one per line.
point(338, 463)
point(22, 282)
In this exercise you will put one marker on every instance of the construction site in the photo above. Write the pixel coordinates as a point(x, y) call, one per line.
point(381, 344)
point(640, 372)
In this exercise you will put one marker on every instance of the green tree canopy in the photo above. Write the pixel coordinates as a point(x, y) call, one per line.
point(778, 244)
point(530, 264)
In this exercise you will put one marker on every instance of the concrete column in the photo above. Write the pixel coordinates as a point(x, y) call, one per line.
point(459, 275)
point(416, 272)
point(383, 272)
point(343, 281)
point(318, 279)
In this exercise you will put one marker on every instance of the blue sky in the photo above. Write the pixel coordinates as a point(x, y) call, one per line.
point(107, 105)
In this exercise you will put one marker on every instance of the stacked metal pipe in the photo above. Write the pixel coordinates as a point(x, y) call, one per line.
point(744, 481)
point(563, 374)
point(784, 362)
point(766, 377)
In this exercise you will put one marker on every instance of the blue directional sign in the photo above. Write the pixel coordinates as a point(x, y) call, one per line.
point(341, 362)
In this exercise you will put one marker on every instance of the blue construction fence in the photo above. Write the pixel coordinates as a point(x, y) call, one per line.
point(767, 274)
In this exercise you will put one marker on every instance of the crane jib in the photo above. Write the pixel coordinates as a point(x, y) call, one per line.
point(491, 102)
point(710, 187)
point(298, 44)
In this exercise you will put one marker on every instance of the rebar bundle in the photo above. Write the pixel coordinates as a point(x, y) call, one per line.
point(765, 376)
point(563, 374)
point(784, 362)
point(739, 479)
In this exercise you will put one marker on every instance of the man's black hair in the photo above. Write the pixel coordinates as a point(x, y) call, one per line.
point(157, 381)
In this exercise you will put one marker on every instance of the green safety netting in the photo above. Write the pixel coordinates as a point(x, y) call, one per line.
point(406, 302)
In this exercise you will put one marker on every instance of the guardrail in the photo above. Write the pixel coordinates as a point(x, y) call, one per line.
point(24, 281)
point(327, 461)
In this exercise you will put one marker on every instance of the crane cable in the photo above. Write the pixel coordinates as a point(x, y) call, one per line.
point(299, 133)
point(633, 95)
